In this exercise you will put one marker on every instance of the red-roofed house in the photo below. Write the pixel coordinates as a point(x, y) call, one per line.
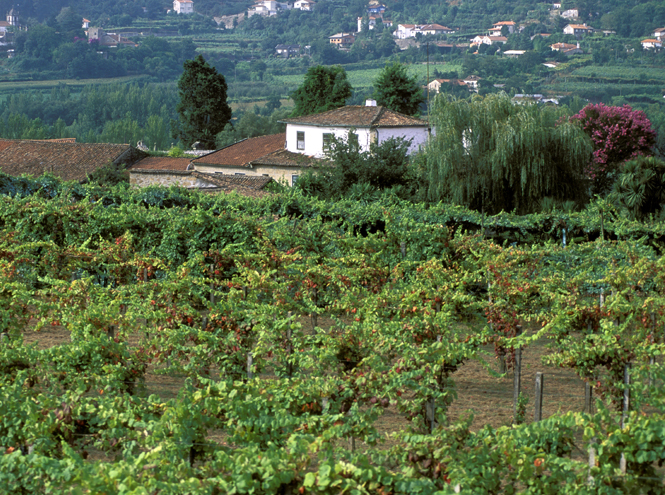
point(67, 160)
point(498, 26)
point(652, 44)
point(263, 156)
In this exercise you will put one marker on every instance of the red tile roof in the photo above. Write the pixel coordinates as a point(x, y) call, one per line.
point(162, 163)
point(285, 158)
point(241, 154)
point(69, 161)
point(358, 116)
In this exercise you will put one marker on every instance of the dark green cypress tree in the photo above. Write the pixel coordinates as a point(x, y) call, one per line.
point(202, 110)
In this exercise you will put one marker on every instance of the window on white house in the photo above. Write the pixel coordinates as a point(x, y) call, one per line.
point(300, 140)
point(327, 140)
point(294, 179)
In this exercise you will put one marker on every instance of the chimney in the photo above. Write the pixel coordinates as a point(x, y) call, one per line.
point(370, 103)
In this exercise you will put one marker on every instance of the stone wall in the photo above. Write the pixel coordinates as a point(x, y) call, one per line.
point(144, 178)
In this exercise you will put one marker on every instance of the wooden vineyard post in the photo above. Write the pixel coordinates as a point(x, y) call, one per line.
point(430, 406)
point(315, 300)
point(652, 360)
point(517, 375)
point(538, 406)
point(624, 413)
point(250, 362)
point(212, 287)
point(245, 291)
point(588, 398)
point(289, 347)
point(111, 331)
point(145, 274)
point(3, 337)
point(402, 247)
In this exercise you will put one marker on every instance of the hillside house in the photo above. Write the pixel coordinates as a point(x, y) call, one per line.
point(498, 27)
point(183, 6)
point(659, 33)
point(567, 49)
point(472, 82)
point(513, 53)
point(12, 18)
point(577, 29)
point(307, 5)
point(376, 9)
point(488, 40)
point(435, 85)
point(405, 31)
point(652, 44)
point(570, 14)
point(309, 135)
point(267, 8)
point(287, 51)
point(342, 40)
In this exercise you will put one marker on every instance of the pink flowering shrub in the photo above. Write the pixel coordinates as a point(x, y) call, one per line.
point(618, 134)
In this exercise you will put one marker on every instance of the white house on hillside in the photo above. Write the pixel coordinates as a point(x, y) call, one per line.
point(183, 6)
point(309, 134)
point(411, 30)
point(303, 5)
point(577, 29)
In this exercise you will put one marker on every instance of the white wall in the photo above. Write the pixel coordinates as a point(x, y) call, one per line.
point(314, 137)
point(417, 134)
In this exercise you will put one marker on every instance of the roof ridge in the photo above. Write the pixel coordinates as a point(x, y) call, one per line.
point(379, 114)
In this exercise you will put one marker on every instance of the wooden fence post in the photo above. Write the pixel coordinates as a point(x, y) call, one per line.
point(624, 413)
point(250, 362)
point(111, 331)
point(538, 406)
point(315, 300)
point(588, 398)
point(517, 374)
point(145, 274)
point(402, 247)
point(3, 337)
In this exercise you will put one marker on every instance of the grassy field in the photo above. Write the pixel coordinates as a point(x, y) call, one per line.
point(13, 86)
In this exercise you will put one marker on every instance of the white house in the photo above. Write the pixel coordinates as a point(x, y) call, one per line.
point(652, 44)
point(304, 5)
point(577, 29)
point(411, 30)
point(183, 6)
point(267, 8)
point(659, 33)
point(85, 24)
point(570, 14)
point(488, 40)
point(514, 53)
point(309, 134)
point(472, 82)
point(498, 26)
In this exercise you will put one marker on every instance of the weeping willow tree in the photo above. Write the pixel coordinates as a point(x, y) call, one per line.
point(489, 153)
